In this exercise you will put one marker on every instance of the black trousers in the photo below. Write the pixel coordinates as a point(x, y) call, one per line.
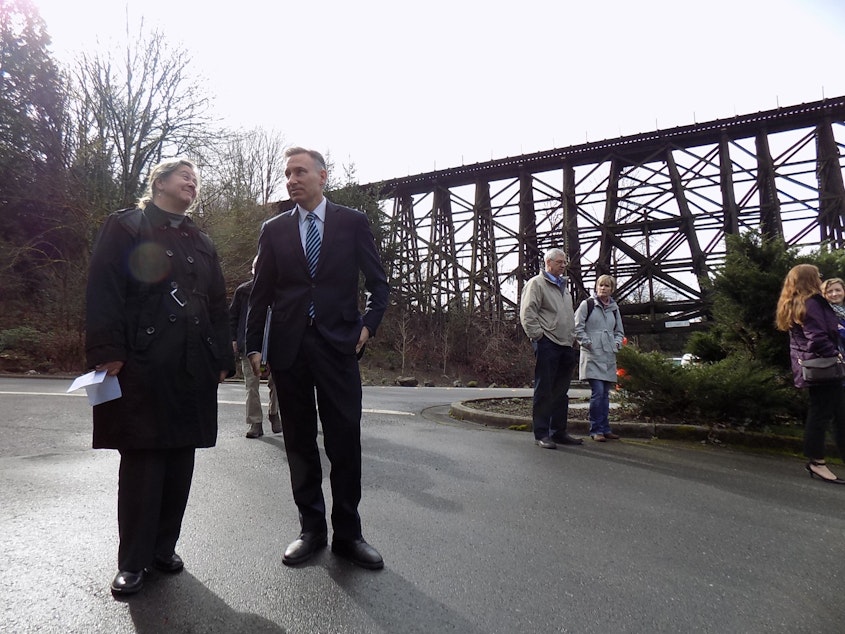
point(826, 408)
point(336, 379)
point(553, 369)
point(153, 490)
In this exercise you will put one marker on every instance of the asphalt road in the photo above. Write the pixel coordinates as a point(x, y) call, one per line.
point(481, 532)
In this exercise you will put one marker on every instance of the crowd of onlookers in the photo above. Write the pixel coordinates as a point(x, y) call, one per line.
point(812, 311)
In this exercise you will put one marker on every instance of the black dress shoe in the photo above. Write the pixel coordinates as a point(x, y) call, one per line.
point(358, 552)
point(566, 439)
point(173, 563)
point(126, 582)
point(303, 547)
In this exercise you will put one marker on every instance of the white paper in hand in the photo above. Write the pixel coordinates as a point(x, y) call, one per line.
point(100, 387)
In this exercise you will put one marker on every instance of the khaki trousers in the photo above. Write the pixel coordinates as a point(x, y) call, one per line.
point(254, 415)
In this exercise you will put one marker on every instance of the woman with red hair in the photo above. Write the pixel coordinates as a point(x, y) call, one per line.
point(804, 313)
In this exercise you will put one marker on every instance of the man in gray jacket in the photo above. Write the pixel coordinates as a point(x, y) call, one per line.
point(549, 321)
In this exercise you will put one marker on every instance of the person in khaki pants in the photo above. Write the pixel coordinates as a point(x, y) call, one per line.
point(237, 322)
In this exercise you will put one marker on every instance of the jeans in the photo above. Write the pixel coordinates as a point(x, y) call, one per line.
point(552, 375)
point(599, 406)
point(827, 405)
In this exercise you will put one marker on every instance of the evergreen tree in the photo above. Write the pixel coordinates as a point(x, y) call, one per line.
point(745, 294)
point(31, 107)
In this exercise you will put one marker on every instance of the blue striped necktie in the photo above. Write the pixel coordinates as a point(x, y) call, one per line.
point(312, 250)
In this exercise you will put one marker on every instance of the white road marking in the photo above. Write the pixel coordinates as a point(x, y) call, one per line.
point(43, 394)
point(389, 412)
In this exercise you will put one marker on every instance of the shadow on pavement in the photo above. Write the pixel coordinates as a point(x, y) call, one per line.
point(181, 603)
point(396, 605)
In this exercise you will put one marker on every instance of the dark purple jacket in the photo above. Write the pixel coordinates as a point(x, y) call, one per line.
point(817, 337)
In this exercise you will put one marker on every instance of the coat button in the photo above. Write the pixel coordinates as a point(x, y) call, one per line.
point(172, 318)
point(169, 253)
point(190, 260)
point(184, 234)
point(174, 285)
point(210, 341)
point(150, 330)
point(196, 320)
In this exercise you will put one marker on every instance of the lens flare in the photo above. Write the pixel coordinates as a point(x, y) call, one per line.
point(149, 263)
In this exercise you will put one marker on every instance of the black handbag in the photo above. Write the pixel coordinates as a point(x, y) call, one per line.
point(822, 369)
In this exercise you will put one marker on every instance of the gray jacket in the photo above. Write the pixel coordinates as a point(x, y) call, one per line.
point(600, 337)
point(545, 310)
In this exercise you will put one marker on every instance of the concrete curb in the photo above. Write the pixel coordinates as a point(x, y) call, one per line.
point(630, 429)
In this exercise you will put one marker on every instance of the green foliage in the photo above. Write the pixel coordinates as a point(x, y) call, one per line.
point(830, 263)
point(652, 384)
point(736, 391)
point(25, 348)
point(31, 108)
point(743, 379)
point(742, 391)
point(707, 346)
point(745, 294)
point(24, 339)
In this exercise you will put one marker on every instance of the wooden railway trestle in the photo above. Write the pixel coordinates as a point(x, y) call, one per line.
point(650, 209)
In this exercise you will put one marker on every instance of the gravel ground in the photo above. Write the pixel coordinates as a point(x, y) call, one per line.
point(518, 406)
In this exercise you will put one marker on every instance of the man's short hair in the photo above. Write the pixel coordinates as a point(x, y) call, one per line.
point(553, 253)
point(319, 161)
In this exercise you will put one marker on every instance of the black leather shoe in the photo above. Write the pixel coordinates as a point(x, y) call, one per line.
point(358, 552)
point(173, 563)
point(126, 582)
point(303, 547)
point(566, 439)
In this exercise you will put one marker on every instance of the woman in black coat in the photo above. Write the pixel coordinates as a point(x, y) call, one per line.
point(157, 319)
point(812, 327)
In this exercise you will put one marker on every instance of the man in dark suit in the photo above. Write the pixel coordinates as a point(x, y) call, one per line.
point(309, 262)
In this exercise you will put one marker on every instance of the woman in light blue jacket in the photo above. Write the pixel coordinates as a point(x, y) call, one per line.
point(598, 328)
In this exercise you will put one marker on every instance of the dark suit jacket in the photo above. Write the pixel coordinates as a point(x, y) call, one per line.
point(283, 282)
point(237, 315)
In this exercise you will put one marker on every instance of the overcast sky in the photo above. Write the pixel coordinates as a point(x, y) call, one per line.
point(402, 88)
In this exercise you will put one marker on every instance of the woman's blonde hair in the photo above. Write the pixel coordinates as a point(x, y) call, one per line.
point(608, 279)
point(163, 170)
point(801, 283)
point(830, 282)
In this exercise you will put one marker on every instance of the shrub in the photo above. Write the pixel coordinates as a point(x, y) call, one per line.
point(23, 339)
point(736, 391)
point(740, 392)
point(25, 348)
point(653, 385)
